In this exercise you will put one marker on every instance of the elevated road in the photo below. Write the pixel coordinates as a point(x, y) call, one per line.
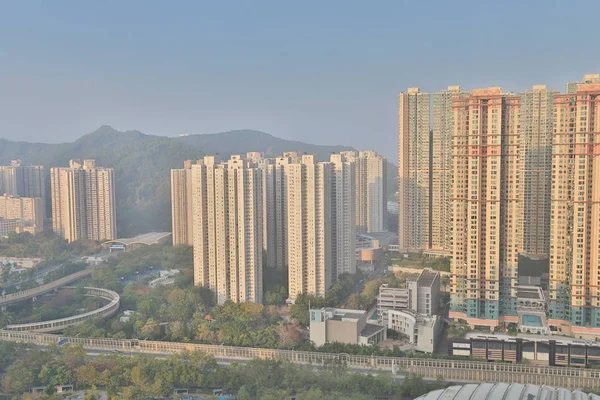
point(446, 370)
point(43, 289)
point(57, 325)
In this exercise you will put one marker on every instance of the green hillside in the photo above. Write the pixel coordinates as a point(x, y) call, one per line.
point(142, 163)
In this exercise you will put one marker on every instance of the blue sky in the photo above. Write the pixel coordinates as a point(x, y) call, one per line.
point(325, 72)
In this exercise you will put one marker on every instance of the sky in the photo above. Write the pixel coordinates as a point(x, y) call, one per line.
point(323, 72)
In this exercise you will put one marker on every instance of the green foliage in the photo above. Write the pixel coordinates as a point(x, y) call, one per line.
point(142, 164)
point(46, 245)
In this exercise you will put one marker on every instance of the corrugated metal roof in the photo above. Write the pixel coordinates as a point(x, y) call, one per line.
point(506, 391)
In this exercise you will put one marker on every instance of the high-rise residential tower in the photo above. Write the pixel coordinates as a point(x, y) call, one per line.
point(571, 87)
point(486, 231)
point(23, 181)
point(309, 226)
point(575, 217)
point(227, 228)
point(442, 169)
point(414, 155)
point(371, 190)
point(275, 208)
point(83, 201)
point(343, 215)
point(181, 205)
point(535, 147)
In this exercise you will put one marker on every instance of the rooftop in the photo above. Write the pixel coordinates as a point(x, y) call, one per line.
point(371, 329)
point(427, 278)
point(505, 391)
point(145, 238)
point(337, 314)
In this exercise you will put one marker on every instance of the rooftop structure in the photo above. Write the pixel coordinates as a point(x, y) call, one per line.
point(146, 239)
point(505, 391)
point(341, 325)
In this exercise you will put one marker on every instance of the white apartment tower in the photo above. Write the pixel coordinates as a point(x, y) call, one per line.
point(370, 189)
point(181, 205)
point(343, 215)
point(414, 155)
point(227, 228)
point(442, 169)
point(309, 226)
point(83, 201)
point(275, 208)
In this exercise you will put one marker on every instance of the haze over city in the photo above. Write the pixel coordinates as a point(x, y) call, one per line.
point(323, 73)
point(261, 200)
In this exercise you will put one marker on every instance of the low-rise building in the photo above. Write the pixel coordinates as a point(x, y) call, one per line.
point(552, 350)
point(421, 296)
point(422, 331)
point(328, 325)
point(413, 310)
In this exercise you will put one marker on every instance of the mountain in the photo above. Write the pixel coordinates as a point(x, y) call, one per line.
point(142, 164)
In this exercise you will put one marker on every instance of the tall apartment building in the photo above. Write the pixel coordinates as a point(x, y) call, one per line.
point(575, 219)
point(83, 201)
point(309, 226)
point(227, 228)
point(370, 189)
point(181, 205)
point(536, 126)
point(23, 181)
point(414, 156)
point(442, 169)
point(28, 211)
point(486, 231)
point(571, 87)
point(275, 208)
point(343, 215)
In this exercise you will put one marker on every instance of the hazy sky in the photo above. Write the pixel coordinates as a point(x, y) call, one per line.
point(325, 72)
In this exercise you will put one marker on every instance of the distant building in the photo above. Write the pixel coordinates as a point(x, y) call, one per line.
point(145, 239)
point(83, 201)
point(370, 190)
point(571, 87)
point(181, 204)
point(328, 325)
point(23, 181)
point(25, 214)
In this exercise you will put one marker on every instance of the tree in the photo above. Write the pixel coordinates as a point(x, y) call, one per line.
point(18, 378)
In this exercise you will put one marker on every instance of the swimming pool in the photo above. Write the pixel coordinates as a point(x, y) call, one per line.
point(532, 320)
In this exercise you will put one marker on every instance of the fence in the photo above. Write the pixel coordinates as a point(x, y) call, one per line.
point(446, 370)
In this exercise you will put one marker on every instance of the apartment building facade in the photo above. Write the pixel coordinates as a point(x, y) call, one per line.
point(370, 189)
point(26, 212)
point(83, 201)
point(486, 212)
point(181, 205)
point(343, 215)
point(414, 153)
point(442, 169)
point(309, 186)
point(227, 228)
point(575, 213)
